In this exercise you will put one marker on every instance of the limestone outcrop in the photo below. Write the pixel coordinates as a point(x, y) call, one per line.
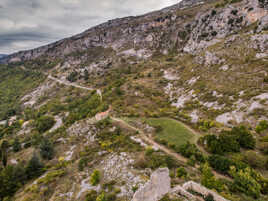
point(156, 188)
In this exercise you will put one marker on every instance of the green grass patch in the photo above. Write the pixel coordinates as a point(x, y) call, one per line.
point(171, 130)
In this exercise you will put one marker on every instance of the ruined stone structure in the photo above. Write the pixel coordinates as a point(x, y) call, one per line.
point(202, 190)
point(159, 185)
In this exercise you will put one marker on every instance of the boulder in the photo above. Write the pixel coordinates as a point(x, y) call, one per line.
point(156, 188)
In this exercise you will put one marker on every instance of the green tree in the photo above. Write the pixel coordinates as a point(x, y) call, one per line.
point(4, 155)
point(245, 138)
point(46, 149)
point(34, 167)
point(92, 196)
point(101, 197)
point(72, 77)
point(208, 179)
point(254, 159)
point(263, 125)
point(181, 172)
point(8, 183)
point(245, 182)
point(16, 145)
point(86, 75)
point(95, 177)
point(220, 163)
point(44, 123)
point(209, 197)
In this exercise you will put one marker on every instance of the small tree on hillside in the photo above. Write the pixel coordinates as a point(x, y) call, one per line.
point(4, 147)
point(46, 149)
point(16, 145)
point(44, 123)
point(34, 167)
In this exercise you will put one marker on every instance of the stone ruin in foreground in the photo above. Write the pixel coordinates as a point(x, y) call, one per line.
point(159, 185)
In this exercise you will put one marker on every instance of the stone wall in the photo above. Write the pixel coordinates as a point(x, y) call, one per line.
point(202, 190)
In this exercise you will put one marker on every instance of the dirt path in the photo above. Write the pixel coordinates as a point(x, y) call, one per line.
point(142, 134)
point(150, 141)
point(74, 85)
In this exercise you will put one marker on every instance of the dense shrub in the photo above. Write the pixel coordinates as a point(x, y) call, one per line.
point(181, 172)
point(16, 146)
point(3, 152)
point(46, 149)
point(72, 77)
point(155, 160)
point(95, 177)
point(91, 196)
point(44, 123)
point(82, 163)
point(208, 179)
point(223, 164)
point(209, 197)
point(222, 144)
point(245, 182)
point(188, 150)
point(254, 159)
point(262, 126)
point(13, 177)
point(220, 163)
point(230, 141)
point(245, 138)
point(15, 82)
point(34, 167)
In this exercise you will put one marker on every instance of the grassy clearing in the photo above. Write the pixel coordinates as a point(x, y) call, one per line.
point(171, 130)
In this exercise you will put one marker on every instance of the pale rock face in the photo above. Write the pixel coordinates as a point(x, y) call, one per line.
point(156, 188)
point(170, 75)
point(57, 125)
point(263, 24)
point(224, 68)
point(193, 47)
point(230, 116)
point(260, 42)
point(211, 59)
point(261, 55)
point(193, 80)
point(31, 99)
point(194, 116)
point(119, 167)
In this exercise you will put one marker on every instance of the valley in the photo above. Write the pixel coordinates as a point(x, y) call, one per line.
point(167, 106)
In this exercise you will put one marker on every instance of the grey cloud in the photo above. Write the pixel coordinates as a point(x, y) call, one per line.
point(26, 24)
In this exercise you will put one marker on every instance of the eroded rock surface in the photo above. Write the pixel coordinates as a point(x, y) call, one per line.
point(156, 188)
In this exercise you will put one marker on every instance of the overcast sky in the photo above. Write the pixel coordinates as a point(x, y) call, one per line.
point(26, 24)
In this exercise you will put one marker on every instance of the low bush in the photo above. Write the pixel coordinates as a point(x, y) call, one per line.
point(44, 123)
point(95, 177)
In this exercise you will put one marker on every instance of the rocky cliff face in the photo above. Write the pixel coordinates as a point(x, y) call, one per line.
point(189, 22)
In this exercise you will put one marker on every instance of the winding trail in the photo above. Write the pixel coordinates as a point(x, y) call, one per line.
point(74, 85)
point(151, 141)
point(166, 150)
point(143, 136)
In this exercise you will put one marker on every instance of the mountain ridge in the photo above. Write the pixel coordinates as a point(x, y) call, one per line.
point(36, 52)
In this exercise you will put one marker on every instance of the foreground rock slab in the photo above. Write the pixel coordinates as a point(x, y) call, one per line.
point(156, 188)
